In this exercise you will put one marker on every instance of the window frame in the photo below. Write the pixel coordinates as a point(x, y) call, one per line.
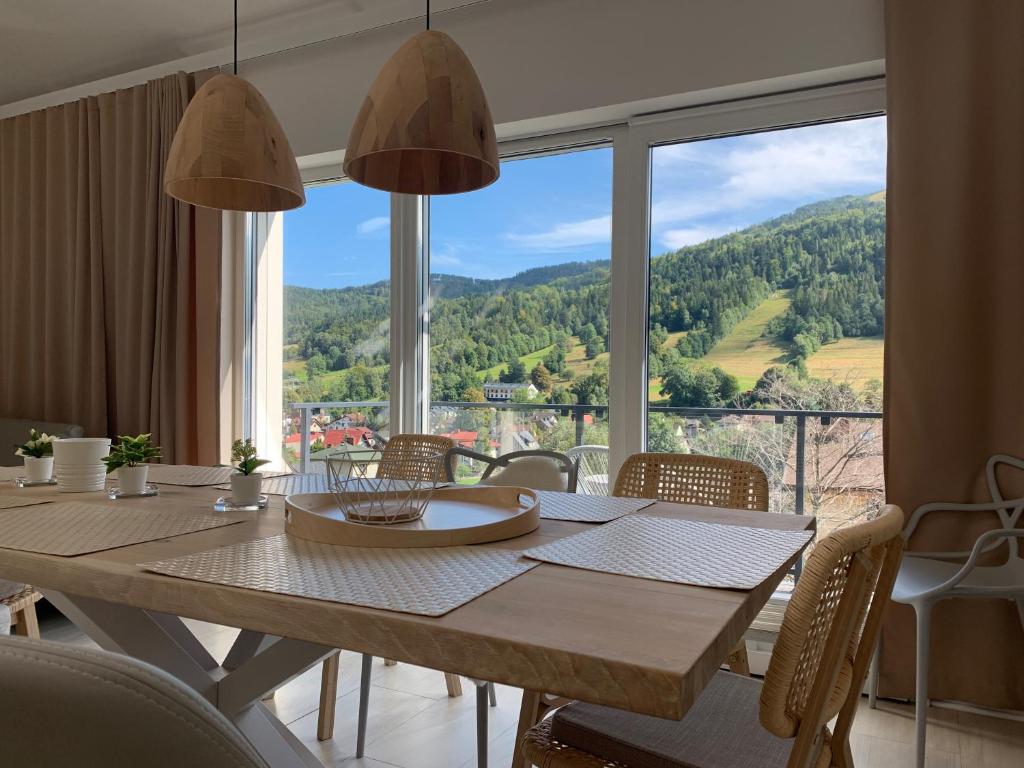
point(631, 143)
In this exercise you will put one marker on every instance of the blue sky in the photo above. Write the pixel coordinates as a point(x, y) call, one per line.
point(549, 210)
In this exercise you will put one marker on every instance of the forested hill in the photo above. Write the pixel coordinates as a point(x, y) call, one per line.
point(830, 253)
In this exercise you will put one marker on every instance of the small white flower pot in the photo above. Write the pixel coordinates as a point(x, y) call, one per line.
point(132, 480)
point(38, 469)
point(245, 489)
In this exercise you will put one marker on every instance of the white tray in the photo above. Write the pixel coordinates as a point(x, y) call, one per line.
point(454, 516)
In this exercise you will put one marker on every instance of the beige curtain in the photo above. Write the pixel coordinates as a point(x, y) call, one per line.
point(109, 289)
point(954, 364)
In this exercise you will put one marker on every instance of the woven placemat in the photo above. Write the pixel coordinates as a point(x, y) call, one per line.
point(286, 485)
point(579, 508)
point(186, 474)
point(429, 581)
point(77, 528)
point(7, 502)
point(680, 551)
point(8, 474)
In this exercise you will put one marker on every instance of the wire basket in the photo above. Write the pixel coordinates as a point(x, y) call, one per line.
point(384, 487)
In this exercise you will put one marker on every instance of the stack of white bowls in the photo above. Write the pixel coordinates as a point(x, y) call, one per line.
point(78, 463)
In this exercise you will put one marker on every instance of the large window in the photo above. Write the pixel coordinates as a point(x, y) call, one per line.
point(518, 316)
point(767, 265)
point(709, 281)
point(336, 316)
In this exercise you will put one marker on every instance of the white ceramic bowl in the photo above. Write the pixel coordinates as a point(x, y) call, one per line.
point(80, 450)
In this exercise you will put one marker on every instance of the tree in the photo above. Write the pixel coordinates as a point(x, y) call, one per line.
point(541, 377)
point(690, 387)
point(514, 373)
point(594, 347)
point(591, 389)
point(561, 396)
point(660, 435)
point(522, 396)
point(473, 395)
point(316, 366)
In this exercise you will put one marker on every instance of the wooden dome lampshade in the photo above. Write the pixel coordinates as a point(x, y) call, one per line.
point(425, 127)
point(230, 152)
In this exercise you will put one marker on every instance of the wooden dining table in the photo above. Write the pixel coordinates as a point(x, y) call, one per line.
point(636, 644)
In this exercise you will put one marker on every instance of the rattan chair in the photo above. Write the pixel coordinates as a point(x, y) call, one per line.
point(689, 478)
point(22, 605)
point(816, 673)
point(404, 457)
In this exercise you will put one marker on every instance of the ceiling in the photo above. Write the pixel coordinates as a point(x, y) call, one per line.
point(48, 45)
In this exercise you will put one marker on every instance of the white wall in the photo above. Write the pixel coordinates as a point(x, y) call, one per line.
point(576, 58)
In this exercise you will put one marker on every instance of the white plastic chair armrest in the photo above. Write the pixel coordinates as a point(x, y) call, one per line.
point(980, 548)
point(1017, 505)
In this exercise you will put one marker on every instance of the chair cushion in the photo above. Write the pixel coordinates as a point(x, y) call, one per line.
point(541, 473)
point(721, 730)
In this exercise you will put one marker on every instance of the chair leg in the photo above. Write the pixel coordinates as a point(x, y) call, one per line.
point(921, 694)
point(739, 662)
point(364, 703)
point(481, 724)
point(873, 676)
point(328, 697)
point(454, 683)
point(492, 695)
point(530, 713)
point(25, 622)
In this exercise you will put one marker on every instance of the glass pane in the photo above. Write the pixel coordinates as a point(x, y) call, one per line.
point(767, 282)
point(337, 309)
point(519, 310)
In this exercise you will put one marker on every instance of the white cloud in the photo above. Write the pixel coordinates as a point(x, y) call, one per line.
point(446, 254)
point(700, 180)
point(568, 234)
point(683, 236)
point(370, 226)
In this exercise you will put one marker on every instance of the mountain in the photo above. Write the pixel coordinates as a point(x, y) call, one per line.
point(830, 254)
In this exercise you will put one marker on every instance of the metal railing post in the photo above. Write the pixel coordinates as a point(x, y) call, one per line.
point(578, 415)
point(304, 440)
point(801, 433)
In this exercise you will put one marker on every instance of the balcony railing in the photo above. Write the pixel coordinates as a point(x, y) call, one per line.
point(844, 456)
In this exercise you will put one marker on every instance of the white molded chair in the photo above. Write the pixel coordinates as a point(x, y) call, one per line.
point(540, 470)
point(925, 578)
point(592, 472)
point(63, 705)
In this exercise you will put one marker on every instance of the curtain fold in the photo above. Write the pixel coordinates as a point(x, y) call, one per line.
point(955, 277)
point(109, 288)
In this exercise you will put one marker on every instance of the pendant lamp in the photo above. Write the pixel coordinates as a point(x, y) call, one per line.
point(229, 151)
point(425, 127)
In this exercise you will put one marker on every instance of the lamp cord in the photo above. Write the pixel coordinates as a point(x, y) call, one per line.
point(236, 39)
point(428, 15)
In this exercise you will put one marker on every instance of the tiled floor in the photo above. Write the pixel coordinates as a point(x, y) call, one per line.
point(414, 724)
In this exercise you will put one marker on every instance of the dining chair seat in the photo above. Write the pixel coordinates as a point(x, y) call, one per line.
point(721, 730)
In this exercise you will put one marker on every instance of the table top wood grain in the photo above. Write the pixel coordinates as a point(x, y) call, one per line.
point(631, 643)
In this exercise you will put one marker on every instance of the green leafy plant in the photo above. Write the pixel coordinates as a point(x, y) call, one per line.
point(131, 451)
point(243, 454)
point(38, 445)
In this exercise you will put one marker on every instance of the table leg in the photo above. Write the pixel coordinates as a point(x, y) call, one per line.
point(258, 664)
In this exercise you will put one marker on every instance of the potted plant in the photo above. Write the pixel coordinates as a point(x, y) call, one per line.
point(129, 458)
point(38, 454)
point(246, 482)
